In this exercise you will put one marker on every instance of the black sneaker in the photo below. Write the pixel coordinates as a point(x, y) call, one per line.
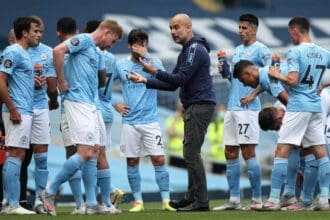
point(26, 205)
point(179, 204)
point(194, 207)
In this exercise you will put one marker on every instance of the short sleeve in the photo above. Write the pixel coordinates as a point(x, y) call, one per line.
point(8, 62)
point(77, 43)
point(49, 67)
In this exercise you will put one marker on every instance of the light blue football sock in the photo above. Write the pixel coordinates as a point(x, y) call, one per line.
point(10, 176)
point(112, 187)
point(104, 181)
point(254, 173)
point(89, 176)
point(324, 176)
point(75, 186)
point(70, 166)
point(4, 167)
point(278, 176)
point(233, 176)
point(96, 188)
point(328, 149)
point(40, 173)
point(290, 182)
point(163, 179)
point(310, 179)
point(134, 179)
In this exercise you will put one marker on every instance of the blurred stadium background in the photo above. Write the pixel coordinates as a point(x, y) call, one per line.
point(214, 19)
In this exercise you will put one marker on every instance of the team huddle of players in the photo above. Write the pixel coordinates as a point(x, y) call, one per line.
point(83, 71)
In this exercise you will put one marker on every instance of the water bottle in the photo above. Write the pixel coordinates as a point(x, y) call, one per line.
point(276, 62)
point(37, 69)
point(225, 67)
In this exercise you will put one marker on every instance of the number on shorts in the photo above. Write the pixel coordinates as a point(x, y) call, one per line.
point(159, 139)
point(242, 128)
point(327, 131)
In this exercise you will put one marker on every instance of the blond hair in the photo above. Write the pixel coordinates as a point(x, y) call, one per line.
point(113, 26)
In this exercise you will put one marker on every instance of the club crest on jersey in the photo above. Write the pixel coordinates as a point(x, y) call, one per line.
point(122, 148)
point(8, 63)
point(74, 41)
point(24, 140)
point(248, 53)
point(43, 56)
point(66, 56)
point(90, 137)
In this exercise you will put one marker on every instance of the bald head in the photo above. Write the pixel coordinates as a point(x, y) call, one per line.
point(181, 28)
point(183, 19)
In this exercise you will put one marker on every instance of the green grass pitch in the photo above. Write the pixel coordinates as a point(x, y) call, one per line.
point(153, 212)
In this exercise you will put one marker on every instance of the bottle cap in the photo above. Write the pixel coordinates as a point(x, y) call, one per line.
point(37, 66)
point(221, 53)
point(276, 57)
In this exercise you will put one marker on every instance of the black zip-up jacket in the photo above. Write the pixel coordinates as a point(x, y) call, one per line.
point(191, 73)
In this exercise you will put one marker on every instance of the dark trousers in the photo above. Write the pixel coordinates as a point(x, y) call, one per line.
point(197, 118)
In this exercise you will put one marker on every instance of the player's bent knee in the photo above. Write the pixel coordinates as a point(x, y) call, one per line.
point(231, 153)
point(158, 160)
point(132, 161)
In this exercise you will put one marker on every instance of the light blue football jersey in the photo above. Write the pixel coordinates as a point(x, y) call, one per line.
point(65, 71)
point(81, 69)
point(273, 87)
point(141, 101)
point(310, 61)
point(284, 71)
point(17, 64)
point(105, 93)
point(43, 55)
point(259, 55)
point(100, 68)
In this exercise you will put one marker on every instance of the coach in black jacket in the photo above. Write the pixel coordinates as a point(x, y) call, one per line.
point(192, 74)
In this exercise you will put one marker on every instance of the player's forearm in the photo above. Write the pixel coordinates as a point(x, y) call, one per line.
point(258, 91)
point(290, 79)
point(4, 95)
point(325, 84)
point(52, 89)
point(58, 56)
point(283, 97)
